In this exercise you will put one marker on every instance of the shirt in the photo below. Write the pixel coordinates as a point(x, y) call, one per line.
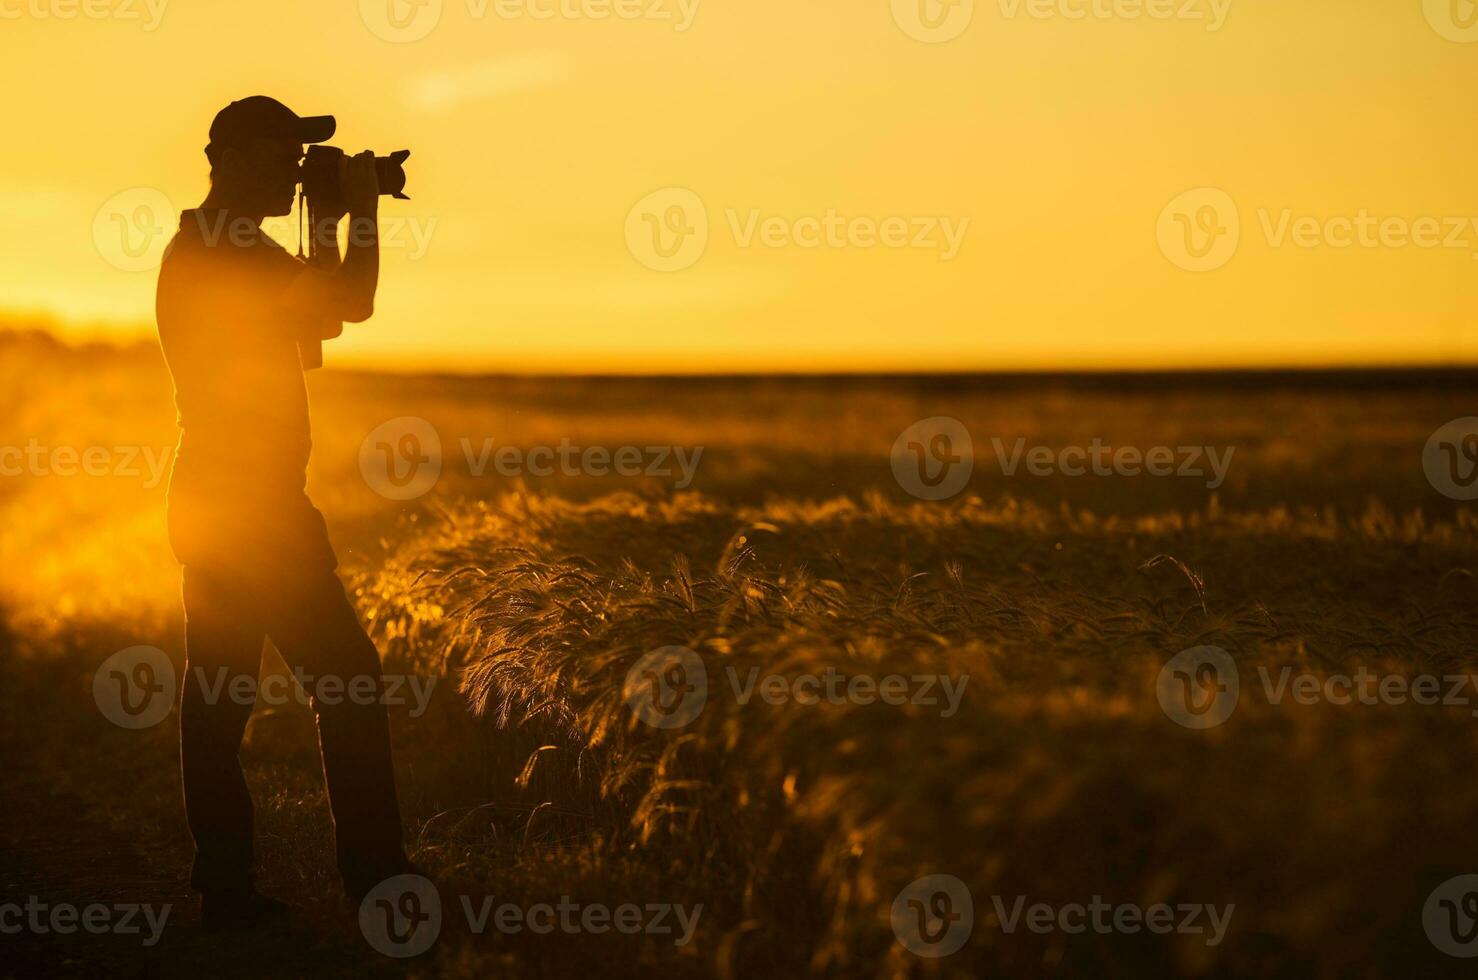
point(236, 490)
point(232, 351)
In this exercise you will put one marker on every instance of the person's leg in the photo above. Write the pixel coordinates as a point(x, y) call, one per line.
point(223, 642)
point(314, 627)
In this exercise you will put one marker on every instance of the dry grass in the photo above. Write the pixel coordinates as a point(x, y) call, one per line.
point(1059, 778)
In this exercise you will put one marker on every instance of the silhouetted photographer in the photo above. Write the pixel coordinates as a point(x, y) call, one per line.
point(240, 319)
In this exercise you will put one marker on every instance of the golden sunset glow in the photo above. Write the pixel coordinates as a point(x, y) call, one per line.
point(798, 488)
point(1047, 139)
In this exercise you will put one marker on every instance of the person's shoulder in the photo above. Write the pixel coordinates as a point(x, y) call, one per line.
point(201, 252)
point(182, 253)
point(192, 239)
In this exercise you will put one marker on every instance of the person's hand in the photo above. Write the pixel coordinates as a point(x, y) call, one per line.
point(359, 183)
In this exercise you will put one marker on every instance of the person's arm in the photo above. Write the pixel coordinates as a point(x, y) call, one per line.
point(315, 330)
point(335, 290)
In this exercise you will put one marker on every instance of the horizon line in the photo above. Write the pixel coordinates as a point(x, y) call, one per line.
point(19, 325)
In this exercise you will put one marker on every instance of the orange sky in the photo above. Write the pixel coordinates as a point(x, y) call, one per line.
point(848, 195)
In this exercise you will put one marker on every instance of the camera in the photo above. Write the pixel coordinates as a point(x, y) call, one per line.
point(320, 177)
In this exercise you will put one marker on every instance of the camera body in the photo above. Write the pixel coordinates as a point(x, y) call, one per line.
point(320, 177)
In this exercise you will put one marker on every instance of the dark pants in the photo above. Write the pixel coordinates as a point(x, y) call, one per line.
point(230, 606)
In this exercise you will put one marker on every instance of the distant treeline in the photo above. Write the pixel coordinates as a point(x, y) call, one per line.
point(37, 336)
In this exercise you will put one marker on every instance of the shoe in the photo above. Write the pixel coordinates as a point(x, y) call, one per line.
point(234, 910)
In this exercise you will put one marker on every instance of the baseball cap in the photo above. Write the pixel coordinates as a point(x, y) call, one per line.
point(260, 117)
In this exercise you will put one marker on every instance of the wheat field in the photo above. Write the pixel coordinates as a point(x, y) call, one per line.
point(1041, 767)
